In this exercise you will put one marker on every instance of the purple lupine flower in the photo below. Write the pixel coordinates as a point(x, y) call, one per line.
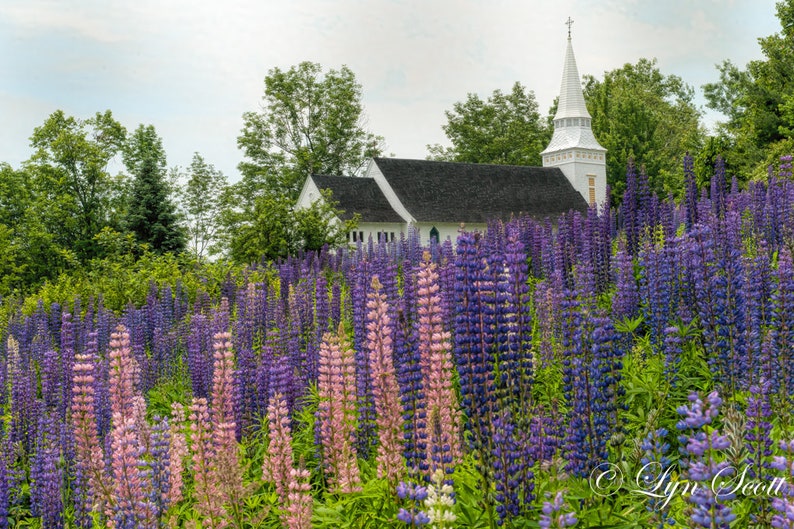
point(366, 437)
point(719, 304)
point(245, 374)
point(782, 320)
point(658, 288)
point(474, 341)
point(512, 475)
point(160, 467)
point(67, 361)
point(655, 462)
point(784, 506)
point(628, 210)
point(690, 192)
point(4, 497)
point(718, 188)
point(546, 317)
point(546, 434)
point(199, 347)
point(626, 301)
point(591, 383)
point(672, 352)
point(412, 496)
point(757, 293)
point(23, 396)
point(556, 514)
point(758, 441)
point(409, 377)
point(46, 474)
point(514, 320)
point(699, 449)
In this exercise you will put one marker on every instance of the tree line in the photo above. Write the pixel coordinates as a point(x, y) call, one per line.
point(64, 209)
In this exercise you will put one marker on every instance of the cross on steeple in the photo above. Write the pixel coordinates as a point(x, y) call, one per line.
point(568, 23)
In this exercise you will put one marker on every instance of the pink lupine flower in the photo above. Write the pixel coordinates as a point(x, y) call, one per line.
point(131, 508)
point(443, 420)
point(225, 464)
point(385, 390)
point(142, 428)
point(209, 503)
point(88, 452)
point(222, 379)
point(299, 500)
point(278, 460)
point(177, 450)
point(336, 386)
point(123, 373)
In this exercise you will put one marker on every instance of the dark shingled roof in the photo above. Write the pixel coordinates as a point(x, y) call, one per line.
point(464, 192)
point(358, 195)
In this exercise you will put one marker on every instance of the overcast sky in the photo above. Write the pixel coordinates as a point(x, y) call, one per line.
point(191, 67)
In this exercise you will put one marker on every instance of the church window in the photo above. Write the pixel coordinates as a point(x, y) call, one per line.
point(591, 186)
point(434, 234)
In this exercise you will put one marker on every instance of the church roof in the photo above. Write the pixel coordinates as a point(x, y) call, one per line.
point(571, 102)
point(462, 192)
point(358, 195)
point(572, 121)
point(580, 137)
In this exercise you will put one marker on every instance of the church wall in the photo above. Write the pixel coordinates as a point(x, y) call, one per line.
point(583, 171)
point(578, 173)
point(309, 194)
point(445, 230)
point(365, 230)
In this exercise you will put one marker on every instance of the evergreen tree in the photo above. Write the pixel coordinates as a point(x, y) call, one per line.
point(151, 215)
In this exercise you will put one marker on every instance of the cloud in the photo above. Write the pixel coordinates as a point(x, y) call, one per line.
point(193, 67)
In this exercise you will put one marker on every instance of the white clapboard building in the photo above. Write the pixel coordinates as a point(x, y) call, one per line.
point(436, 197)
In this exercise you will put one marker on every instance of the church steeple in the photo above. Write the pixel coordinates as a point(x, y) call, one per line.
point(571, 103)
point(573, 147)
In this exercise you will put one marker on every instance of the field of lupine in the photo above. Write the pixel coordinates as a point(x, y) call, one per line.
point(631, 368)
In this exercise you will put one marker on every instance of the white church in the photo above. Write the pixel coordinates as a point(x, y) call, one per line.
point(436, 197)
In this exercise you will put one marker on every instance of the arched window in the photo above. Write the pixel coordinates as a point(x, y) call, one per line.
point(434, 234)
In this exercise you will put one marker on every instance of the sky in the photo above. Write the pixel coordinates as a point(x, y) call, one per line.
point(191, 68)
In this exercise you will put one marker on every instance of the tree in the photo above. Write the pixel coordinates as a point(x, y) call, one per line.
point(642, 114)
point(505, 129)
point(201, 199)
point(71, 181)
point(15, 200)
point(276, 229)
point(151, 215)
point(310, 123)
point(758, 102)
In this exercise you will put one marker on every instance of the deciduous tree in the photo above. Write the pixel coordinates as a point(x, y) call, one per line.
point(640, 113)
point(505, 129)
point(310, 123)
point(69, 170)
point(757, 101)
point(201, 199)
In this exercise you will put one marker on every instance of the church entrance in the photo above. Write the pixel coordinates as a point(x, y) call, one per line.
point(434, 234)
